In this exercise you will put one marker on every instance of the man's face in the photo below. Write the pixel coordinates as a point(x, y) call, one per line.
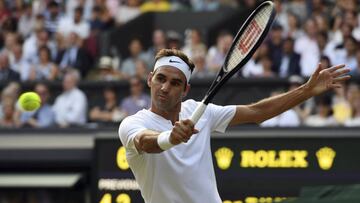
point(77, 16)
point(54, 10)
point(136, 87)
point(135, 47)
point(4, 61)
point(288, 46)
point(69, 82)
point(167, 88)
point(43, 93)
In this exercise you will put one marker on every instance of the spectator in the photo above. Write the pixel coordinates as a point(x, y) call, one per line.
point(107, 70)
point(287, 119)
point(298, 7)
point(322, 23)
point(289, 61)
point(201, 70)
point(4, 12)
point(282, 16)
point(354, 93)
point(326, 47)
point(19, 64)
point(42, 117)
point(109, 112)
point(101, 18)
point(75, 56)
point(6, 73)
point(76, 25)
point(275, 44)
point(293, 29)
point(71, 105)
point(308, 49)
point(86, 5)
point(26, 22)
point(45, 69)
point(137, 100)
point(136, 52)
point(11, 39)
point(340, 105)
point(347, 55)
point(265, 65)
point(254, 67)
point(318, 7)
point(350, 18)
point(173, 40)
point(193, 43)
point(323, 117)
point(33, 43)
point(52, 17)
point(339, 35)
point(216, 54)
point(128, 11)
point(10, 92)
point(106, 17)
point(325, 61)
point(158, 43)
point(155, 6)
point(8, 118)
point(141, 69)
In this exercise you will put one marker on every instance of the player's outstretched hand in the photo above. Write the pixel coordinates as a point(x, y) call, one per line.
point(324, 79)
point(182, 131)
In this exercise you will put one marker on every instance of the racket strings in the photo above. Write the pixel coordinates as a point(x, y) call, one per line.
point(249, 37)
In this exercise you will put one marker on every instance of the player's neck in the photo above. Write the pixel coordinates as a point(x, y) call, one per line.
point(172, 115)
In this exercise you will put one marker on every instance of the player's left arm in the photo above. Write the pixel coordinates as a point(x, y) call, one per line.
point(321, 81)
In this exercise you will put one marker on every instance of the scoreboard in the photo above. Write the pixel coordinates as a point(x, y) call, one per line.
point(248, 170)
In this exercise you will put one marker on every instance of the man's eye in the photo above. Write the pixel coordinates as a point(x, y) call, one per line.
point(175, 83)
point(161, 79)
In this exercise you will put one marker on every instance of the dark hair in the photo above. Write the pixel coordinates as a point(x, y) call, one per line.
point(175, 52)
point(45, 48)
point(52, 4)
point(324, 57)
point(324, 35)
point(79, 9)
point(289, 39)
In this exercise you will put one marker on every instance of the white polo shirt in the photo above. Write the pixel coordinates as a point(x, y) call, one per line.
point(184, 173)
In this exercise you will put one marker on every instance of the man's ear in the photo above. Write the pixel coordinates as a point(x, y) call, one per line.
point(187, 89)
point(149, 78)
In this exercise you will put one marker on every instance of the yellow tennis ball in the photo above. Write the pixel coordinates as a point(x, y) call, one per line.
point(29, 101)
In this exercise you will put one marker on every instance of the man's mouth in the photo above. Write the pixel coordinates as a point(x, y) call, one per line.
point(163, 97)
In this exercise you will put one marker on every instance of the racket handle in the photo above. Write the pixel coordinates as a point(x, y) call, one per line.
point(198, 112)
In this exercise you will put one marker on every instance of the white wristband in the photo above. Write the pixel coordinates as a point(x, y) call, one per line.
point(163, 140)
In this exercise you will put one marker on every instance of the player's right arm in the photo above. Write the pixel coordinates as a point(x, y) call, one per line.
point(147, 140)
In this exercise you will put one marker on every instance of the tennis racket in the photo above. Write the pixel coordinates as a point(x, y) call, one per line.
point(247, 40)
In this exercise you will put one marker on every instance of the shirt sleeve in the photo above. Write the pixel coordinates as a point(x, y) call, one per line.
point(221, 116)
point(129, 128)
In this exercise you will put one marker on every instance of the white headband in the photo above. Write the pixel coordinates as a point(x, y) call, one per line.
point(176, 62)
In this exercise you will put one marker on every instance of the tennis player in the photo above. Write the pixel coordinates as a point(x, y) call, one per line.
point(169, 156)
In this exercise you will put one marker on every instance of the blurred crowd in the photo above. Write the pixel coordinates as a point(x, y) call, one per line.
point(45, 40)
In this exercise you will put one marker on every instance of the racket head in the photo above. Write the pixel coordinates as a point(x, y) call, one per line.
point(249, 37)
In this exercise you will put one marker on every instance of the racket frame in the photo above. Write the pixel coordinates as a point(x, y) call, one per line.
point(223, 75)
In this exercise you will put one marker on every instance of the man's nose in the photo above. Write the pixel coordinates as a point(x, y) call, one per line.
point(165, 86)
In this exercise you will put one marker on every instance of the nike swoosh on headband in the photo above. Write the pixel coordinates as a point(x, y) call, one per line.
point(172, 61)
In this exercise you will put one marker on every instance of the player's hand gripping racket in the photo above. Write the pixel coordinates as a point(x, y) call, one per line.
point(246, 41)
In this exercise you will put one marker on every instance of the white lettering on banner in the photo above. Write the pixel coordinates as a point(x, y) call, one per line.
point(118, 184)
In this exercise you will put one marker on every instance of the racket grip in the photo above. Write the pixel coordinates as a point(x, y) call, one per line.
point(198, 113)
